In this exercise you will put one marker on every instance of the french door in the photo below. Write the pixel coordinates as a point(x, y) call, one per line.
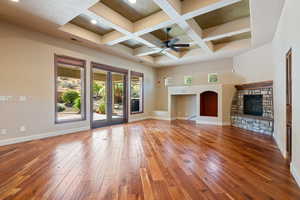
point(108, 95)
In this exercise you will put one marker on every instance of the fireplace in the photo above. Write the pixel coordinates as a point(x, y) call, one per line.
point(253, 105)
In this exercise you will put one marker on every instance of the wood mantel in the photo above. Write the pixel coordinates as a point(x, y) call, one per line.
point(253, 86)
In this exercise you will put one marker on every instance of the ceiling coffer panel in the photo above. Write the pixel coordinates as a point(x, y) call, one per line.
point(133, 12)
point(84, 22)
point(223, 15)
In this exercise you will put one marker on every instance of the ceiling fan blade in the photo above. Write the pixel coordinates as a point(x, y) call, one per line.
point(173, 41)
point(174, 49)
point(181, 45)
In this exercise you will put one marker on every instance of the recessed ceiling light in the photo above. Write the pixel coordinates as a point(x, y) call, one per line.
point(15, 0)
point(132, 1)
point(93, 21)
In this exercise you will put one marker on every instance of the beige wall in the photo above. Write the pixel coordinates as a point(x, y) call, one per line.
point(286, 37)
point(185, 106)
point(27, 69)
point(199, 73)
point(255, 65)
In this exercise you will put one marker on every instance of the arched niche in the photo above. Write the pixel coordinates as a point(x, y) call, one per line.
point(209, 104)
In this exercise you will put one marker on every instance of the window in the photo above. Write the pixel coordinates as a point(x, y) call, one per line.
point(213, 78)
point(69, 89)
point(137, 92)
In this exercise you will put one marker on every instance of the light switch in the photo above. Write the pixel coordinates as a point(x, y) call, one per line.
point(23, 98)
point(3, 131)
point(5, 98)
point(22, 128)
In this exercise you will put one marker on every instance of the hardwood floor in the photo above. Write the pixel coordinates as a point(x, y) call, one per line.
point(148, 160)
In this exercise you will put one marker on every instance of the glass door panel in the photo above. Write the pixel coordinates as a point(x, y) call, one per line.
point(108, 94)
point(118, 95)
point(99, 97)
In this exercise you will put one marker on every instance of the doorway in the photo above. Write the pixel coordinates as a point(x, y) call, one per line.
point(289, 104)
point(108, 95)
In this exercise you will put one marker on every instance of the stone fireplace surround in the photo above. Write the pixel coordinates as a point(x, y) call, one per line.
point(261, 124)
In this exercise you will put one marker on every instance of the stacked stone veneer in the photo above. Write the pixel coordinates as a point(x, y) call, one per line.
point(264, 124)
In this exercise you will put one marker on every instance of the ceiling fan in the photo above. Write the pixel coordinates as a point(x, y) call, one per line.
point(171, 43)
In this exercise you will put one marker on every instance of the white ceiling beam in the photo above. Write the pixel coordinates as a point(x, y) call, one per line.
point(174, 11)
point(112, 18)
point(124, 27)
point(172, 54)
point(144, 51)
point(172, 8)
point(153, 40)
point(151, 23)
point(82, 33)
point(158, 20)
point(227, 30)
point(113, 38)
point(155, 48)
point(194, 31)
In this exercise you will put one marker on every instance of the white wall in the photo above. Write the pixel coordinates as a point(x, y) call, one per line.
point(27, 69)
point(286, 37)
point(199, 73)
point(255, 65)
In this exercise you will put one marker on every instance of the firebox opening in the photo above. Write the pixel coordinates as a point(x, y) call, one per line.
point(253, 105)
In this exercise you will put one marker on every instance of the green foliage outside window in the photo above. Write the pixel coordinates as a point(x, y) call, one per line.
point(70, 96)
point(77, 104)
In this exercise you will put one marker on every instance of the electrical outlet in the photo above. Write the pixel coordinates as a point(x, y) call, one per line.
point(3, 131)
point(22, 128)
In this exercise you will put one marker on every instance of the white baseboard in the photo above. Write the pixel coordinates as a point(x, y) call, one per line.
point(209, 122)
point(139, 119)
point(280, 146)
point(41, 136)
point(226, 124)
point(160, 118)
point(295, 173)
point(182, 118)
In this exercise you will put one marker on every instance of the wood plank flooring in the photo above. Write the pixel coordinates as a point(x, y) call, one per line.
point(148, 160)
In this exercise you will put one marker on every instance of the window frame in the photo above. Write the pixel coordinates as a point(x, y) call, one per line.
point(62, 59)
point(141, 75)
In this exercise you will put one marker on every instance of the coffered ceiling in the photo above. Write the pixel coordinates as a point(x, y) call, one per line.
point(213, 28)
